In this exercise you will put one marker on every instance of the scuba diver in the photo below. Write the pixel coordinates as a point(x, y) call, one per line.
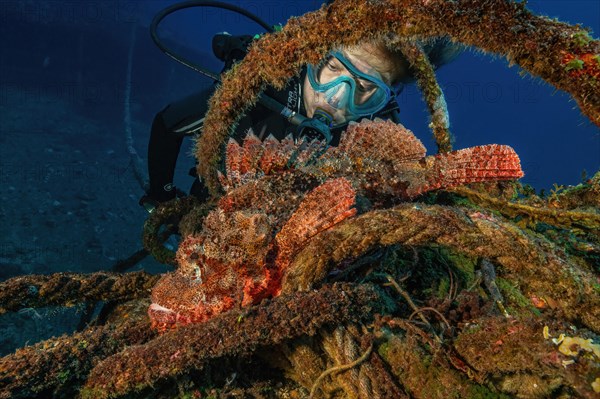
point(348, 85)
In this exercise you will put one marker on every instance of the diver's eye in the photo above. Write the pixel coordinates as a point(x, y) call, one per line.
point(364, 87)
point(332, 67)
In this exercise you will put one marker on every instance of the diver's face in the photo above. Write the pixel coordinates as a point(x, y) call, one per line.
point(364, 59)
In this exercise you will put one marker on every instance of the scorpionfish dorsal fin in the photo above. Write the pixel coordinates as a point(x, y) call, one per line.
point(256, 158)
point(381, 140)
point(485, 163)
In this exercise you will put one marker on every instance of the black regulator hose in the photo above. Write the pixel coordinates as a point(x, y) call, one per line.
point(305, 124)
point(189, 4)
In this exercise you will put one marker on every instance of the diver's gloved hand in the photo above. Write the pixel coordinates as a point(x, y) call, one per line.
point(151, 200)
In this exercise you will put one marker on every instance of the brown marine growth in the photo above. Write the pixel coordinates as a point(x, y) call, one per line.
point(69, 289)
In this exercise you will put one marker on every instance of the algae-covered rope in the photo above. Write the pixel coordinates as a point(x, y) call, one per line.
point(340, 368)
point(167, 216)
point(552, 216)
point(355, 367)
point(68, 289)
point(432, 93)
point(59, 365)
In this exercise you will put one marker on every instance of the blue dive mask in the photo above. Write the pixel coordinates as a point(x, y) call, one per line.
point(357, 95)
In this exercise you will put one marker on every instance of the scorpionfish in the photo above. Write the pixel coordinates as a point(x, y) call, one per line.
point(280, 194)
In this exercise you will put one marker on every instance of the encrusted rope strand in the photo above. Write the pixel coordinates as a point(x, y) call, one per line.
point(337, 369)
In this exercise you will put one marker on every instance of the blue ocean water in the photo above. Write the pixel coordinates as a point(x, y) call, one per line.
point(68, 196)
